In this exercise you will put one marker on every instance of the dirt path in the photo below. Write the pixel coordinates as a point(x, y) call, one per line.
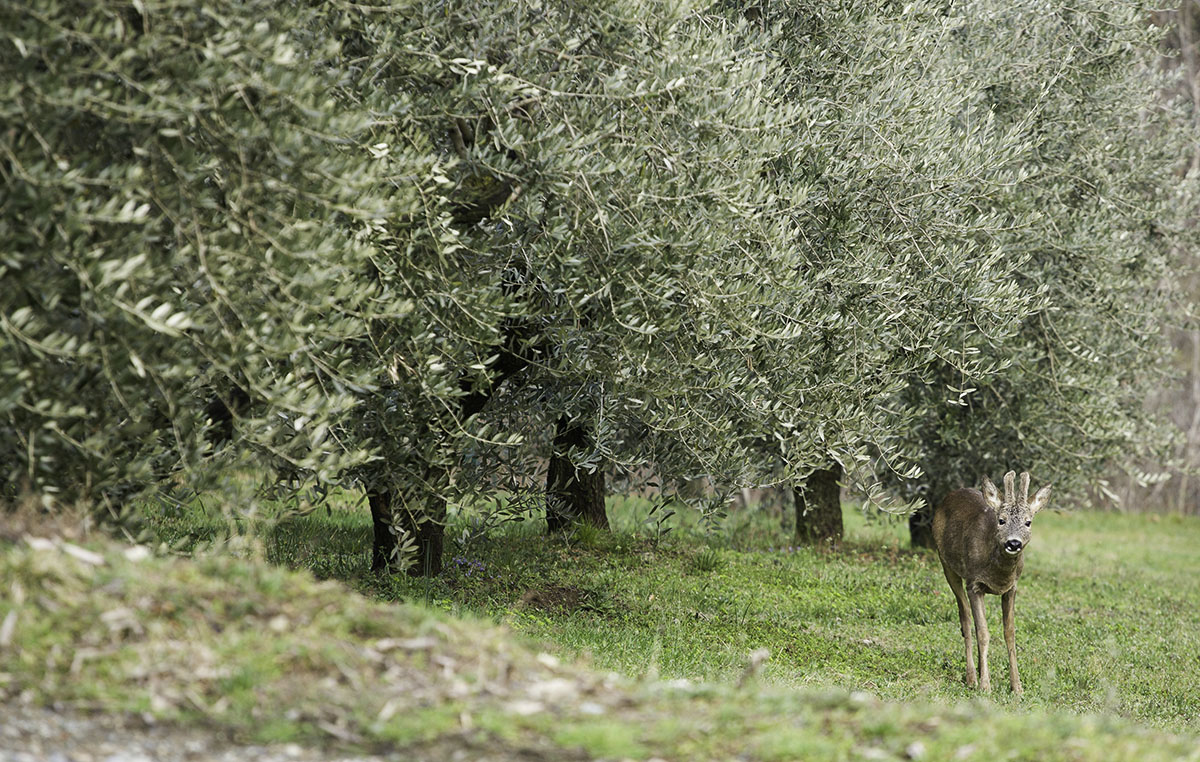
point(34, 734)
point(30, 734)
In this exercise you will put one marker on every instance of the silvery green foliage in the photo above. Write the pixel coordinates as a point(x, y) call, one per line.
point(178, 191)
point(1100, 204)
point(347, 214)
point(737, 245)
point(722, 245)
point(603, 162)
point(590, 171)
point(879, 251)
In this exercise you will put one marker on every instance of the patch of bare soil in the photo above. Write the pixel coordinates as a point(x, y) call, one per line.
point(556, 598)
point(26, 518)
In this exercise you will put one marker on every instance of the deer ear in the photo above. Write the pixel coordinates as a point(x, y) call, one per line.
point(1039, 499)
point(991, 494)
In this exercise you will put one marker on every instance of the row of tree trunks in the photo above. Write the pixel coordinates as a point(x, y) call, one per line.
point(576, 495)
point(573, 495)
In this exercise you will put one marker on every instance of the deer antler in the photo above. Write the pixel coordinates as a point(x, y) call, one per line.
point(1024, 487)
point(1008, 487)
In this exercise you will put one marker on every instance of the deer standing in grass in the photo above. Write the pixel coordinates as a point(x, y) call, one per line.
point(981, 540)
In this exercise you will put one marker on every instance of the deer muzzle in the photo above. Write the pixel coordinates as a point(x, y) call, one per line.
point(1013, 546)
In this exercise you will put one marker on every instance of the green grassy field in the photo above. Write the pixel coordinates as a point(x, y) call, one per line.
point(1108, 615)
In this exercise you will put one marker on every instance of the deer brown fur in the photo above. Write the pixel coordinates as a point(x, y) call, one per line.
point(981, 539)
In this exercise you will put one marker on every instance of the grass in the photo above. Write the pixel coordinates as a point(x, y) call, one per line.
point(1108, 617)
point(863, 641)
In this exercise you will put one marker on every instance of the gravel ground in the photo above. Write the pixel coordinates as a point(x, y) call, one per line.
point(35, 734)
point(31, 734)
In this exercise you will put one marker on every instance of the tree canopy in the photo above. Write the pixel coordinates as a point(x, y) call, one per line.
point(397, 244)
point(1103, 204)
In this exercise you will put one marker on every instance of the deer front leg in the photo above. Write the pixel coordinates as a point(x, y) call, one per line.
point(964, 620)
point(1008, 602)
point(981, 636)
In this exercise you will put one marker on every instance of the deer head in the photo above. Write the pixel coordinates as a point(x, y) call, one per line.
point(1015, 512)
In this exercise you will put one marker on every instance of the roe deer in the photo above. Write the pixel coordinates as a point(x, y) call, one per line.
point(981, 541)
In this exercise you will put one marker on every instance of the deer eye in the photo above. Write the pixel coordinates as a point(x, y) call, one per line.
point(1001, 520)
point(1027, 523)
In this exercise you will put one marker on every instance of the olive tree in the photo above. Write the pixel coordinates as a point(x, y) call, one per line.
point(602, 165)
point(883, 259)
point(179, 213)
point(722, 246)
point(415, 248)
point(1100, 209)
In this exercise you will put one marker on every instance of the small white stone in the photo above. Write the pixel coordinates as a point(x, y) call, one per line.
point(83, 554)
point(407, 644)
point(137, 553)
point(861, 698)
point(7, 627)
point(554, 690)
point(525, 707)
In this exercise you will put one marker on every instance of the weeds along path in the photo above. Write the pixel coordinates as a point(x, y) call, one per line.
point(37, 734)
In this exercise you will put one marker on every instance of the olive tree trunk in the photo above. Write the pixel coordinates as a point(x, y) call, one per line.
point(423, 525)
point(424, 521)
point(920, 527)
point(819, 508)
point(573, 494)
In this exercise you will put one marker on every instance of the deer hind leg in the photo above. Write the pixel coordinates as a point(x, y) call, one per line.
point(981, 636)
point(964, 620)
point(1008, 602)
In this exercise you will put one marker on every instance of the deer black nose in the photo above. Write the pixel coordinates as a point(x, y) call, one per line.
point(1013, 546)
